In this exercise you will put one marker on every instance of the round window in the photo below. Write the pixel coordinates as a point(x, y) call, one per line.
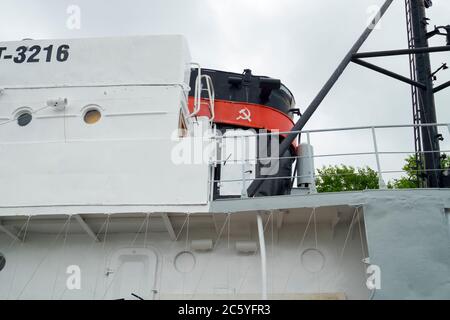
point(2, 261)
point(92, 116)
point(184, 262)
point(24, 119)
point(313, 260)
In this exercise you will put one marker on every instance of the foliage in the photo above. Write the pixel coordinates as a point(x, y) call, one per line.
point(345, 178)
point(412, 170)
point(348, 178)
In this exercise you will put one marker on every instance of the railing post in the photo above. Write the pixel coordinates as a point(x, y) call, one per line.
point(244, 161)
point(212, 178)
point(212, 164)
point(381, 183)
point(312, 187)
point(197, 90)
point(262, 249)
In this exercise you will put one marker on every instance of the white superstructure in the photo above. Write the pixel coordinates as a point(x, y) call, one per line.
point(139, 85)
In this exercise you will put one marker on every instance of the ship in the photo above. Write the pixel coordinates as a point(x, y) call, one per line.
point(128, 171)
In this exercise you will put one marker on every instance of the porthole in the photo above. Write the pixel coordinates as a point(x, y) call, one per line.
point(92, 116)
point(184, 262)
point(2, 261)
point(313, 260)
point(24, 119)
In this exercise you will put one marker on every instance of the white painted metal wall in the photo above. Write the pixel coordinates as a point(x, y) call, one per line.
point(139, 85)
point(147, 262)
point(154, 60)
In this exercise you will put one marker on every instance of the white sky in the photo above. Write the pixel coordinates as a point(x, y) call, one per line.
point(299, 41)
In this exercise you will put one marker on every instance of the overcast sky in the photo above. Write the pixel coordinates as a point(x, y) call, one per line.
point(299, 41)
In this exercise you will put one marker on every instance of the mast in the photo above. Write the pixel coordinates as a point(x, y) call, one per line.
point(415, 99)
point(425, 109)
point(427, 138)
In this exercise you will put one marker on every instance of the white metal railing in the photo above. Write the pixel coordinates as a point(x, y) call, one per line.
point(198, 93)
point(211, 96)
point(197, 90)
point(376, 153)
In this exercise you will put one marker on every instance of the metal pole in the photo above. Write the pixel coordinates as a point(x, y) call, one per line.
point(389, 53)
point(430, 140)
point(312, 187)
point(254, 187)
point(442, 87)
point(389, 73)
point(262, 249)
point(243, 189)
point(381, 183)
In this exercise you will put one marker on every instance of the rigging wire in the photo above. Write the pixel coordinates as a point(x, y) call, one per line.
point(32, 112)
point(59, 264)
point(108, 217)
point(16, 265)
point(145, 246)
point(227, 220)
point(111, 282)
point(316, 247)
point(300, 245)
point(186, 249)
point(144, 223)
point(49, 251)
point(341, 256)
point(177, 236)
point(363, 251)
point(93, 243)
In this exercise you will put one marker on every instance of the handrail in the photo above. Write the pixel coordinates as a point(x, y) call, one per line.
point(215, 162)
point(197, 91)
point(337, 175)
point(211, 96)
point(376, 153)
point(276, 133)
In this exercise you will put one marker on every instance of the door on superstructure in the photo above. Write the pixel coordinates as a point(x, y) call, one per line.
point(132, 274)
point(238, 165)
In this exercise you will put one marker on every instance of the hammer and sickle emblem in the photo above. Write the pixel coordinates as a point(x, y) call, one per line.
point(244, 114)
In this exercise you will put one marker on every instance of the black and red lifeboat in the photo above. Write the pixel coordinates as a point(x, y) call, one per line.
point(248, 101)
point(256, 102)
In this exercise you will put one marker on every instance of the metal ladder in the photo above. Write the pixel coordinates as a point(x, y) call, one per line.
point(198, 94)
point(414, 95)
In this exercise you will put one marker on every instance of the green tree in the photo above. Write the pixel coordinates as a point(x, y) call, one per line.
point(345, 178)
point(412, 170)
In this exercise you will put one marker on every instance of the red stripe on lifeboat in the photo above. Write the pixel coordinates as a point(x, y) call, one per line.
point(246, 115)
